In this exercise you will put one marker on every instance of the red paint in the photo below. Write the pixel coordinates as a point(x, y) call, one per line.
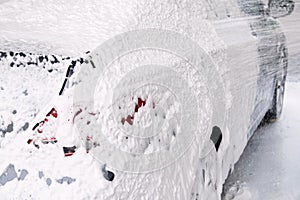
point(130, 118)
point(68, 154)
point(139, 104)
point(54, 112)
point(39, 125)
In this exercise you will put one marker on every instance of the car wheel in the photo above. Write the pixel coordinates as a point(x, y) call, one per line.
point(276, 109)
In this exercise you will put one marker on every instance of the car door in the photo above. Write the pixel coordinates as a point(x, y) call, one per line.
point(267, 32)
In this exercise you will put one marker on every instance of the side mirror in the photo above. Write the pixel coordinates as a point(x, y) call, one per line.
point(280, 8)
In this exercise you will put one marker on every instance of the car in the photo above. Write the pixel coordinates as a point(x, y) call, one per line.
point(135, 100)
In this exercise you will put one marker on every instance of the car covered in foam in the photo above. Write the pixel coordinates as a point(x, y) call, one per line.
point(134, 99)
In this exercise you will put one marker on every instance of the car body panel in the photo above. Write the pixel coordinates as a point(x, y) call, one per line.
point(238, 45)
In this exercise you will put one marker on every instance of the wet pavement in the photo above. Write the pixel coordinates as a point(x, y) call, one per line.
point(269, 168)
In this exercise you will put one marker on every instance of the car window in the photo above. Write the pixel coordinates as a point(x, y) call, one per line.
point(251, 7)
point(223, 9)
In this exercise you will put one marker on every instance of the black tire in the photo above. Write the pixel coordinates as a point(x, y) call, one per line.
point(277, 103)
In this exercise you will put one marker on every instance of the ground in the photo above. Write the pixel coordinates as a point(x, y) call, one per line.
point(269, 166)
